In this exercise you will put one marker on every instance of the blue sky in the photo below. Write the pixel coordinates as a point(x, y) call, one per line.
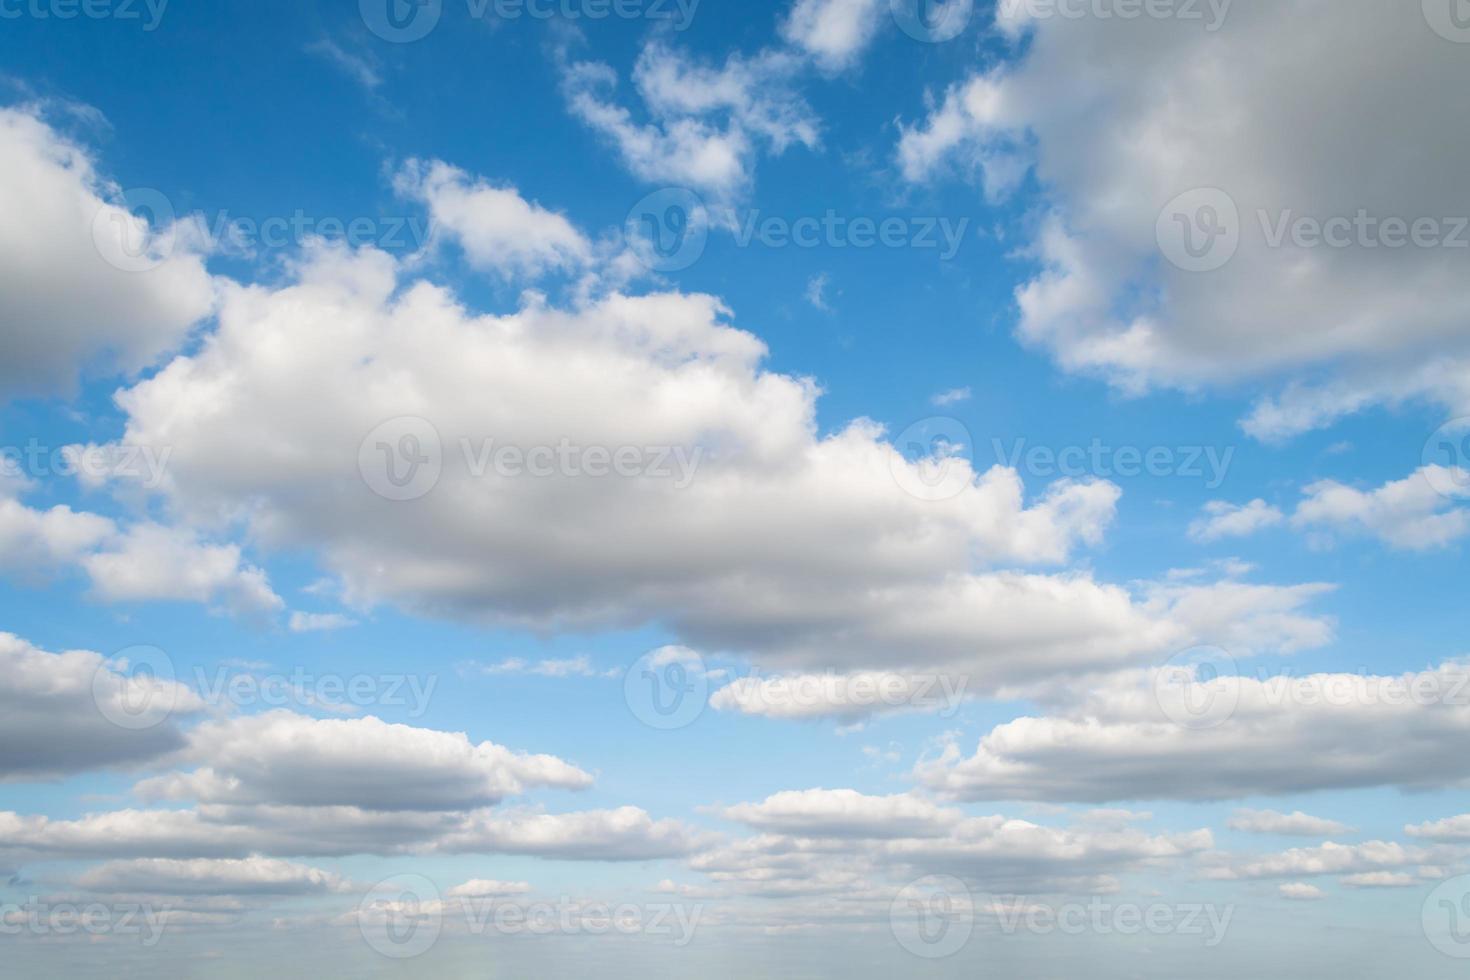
point(962, 412)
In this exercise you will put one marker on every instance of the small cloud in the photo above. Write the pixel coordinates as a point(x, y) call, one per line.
point(580, 666)
point(952, 397)
point(816, 292)
point(356, 67)
point(302, 622)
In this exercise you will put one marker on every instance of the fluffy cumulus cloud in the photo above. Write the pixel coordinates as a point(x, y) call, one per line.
point(85, 282)
point(1361, 862)
point(65, 713)
point(848, 846)
point(1177, 734)
point(1420, 512)
point(131, 563)
point(1450, 830)
point(254, 875)
point(286, 758)
point(844, 813)
point(835, 33)
point(1118, 117)
point(834, 551)
point(1296, 824)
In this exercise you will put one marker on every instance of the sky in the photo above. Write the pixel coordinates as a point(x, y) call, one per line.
point(811, 488)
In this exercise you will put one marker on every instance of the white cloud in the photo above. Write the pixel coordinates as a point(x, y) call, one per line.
point(845, 813)
point(1369, 324)
point(255, 875)
point(1145, 736)
point(954, 396)
point(499, 230)
point(57, 711)
point(487, 888)
point(835, 33)
point(141, 562)
point(707, 125)
point(286, 758)
point(1450, 830)
point(1413, 513)
point(1324, 859)
point(809, 847)
point(34, 543)
point(151, 562)
point(1300, 891)
point(624, 834)
point(1226, 520)
point(850, 697)
point(85, 283)
point(852, 566)
point(305, 622)
point(1297, 823)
